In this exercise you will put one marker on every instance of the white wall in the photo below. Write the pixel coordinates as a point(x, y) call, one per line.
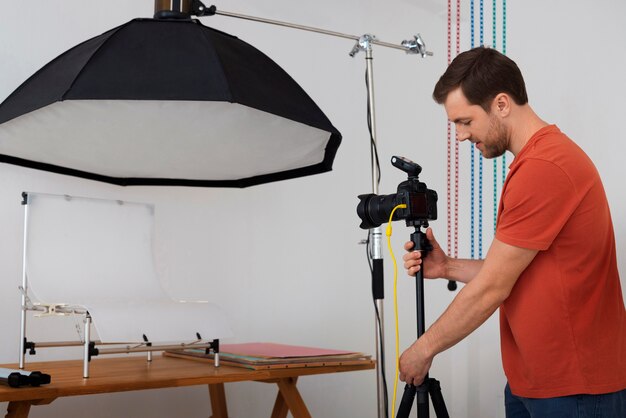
point(292, 271)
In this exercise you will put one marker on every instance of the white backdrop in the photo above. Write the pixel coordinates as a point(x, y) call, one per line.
point(283, 258)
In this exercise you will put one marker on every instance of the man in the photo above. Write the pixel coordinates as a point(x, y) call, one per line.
point(551, 268)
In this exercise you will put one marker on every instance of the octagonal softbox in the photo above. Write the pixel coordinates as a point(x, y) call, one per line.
point(166, 102)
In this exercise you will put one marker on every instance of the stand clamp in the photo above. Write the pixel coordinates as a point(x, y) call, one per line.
point(416, 46)
point(364, 43)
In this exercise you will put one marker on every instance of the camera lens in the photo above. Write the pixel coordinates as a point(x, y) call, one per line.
point(374, 210)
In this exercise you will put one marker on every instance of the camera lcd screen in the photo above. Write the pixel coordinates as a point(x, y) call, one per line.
point(419, 206)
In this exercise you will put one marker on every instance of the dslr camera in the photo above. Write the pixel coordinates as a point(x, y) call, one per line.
point(420, 201)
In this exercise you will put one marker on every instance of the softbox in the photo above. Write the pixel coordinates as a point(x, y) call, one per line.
point(166, 102)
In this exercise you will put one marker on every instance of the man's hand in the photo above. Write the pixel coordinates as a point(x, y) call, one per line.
point(414, 364)
point(437, 265)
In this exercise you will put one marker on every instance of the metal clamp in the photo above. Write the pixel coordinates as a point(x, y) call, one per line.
point(416, 46)
point(364, 43)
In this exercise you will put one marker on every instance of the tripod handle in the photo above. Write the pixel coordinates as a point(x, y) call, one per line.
point(421, 243)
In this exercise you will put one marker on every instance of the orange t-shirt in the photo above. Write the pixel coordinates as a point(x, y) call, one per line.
point(563, 327)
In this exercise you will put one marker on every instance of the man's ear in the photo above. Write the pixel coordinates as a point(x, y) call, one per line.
point(501, 105)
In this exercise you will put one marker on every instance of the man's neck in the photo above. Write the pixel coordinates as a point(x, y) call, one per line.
point(524, 124)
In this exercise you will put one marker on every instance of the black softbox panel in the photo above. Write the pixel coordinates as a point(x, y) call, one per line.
point(166, 102)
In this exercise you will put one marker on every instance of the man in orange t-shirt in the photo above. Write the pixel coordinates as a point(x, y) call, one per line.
point(552, 266)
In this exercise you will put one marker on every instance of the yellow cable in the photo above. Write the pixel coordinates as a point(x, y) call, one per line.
point(395, 307)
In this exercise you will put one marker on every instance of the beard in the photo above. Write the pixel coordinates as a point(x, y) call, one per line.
point(497, 141)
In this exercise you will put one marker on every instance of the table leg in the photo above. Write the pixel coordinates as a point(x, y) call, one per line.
point(218, 400)
point(280, 406)
point(18, 409)
point(292, 398)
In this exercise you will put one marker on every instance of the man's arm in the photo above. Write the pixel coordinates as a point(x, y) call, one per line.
point(438, 264)
point(462, 270)
point(474, 304)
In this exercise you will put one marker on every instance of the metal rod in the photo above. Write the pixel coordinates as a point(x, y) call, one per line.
point(24, 289)
point(56, 344)
point(369, 62)
point(69, 310)
point(380, 381)
point(376, 234)
point(86, 351)
point(306, 28)
point(128, 350)
point(35, 308)
point(56, 310)
point(138, 346)
point(53, 344)
point(137, 349)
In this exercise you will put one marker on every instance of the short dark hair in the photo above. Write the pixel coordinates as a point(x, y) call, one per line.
point(482, 73)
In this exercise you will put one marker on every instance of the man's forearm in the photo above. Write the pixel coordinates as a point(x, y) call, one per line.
point(472, 306)
point(487, 288)
point(462, 270)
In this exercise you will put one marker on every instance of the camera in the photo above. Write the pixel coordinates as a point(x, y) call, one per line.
point(420, 201)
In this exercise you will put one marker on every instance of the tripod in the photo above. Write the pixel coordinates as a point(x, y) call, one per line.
point(430, 386)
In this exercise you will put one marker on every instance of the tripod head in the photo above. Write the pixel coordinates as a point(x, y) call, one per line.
point(419, 240)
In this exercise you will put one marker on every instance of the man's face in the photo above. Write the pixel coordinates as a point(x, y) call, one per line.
point(483, 129)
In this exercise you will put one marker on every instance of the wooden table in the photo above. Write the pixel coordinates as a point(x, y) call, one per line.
point(123, 374)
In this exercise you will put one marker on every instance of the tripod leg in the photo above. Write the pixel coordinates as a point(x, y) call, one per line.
point(423, 407)
point(434, 388)
point(407, 401)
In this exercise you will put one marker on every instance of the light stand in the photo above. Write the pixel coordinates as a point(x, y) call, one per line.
point(363, 43)
point(430, 386)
